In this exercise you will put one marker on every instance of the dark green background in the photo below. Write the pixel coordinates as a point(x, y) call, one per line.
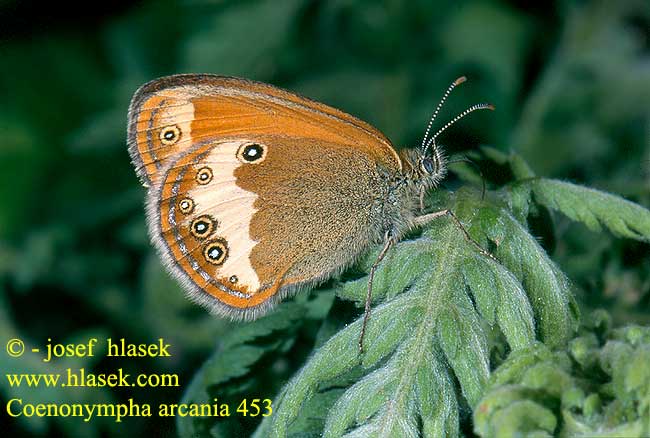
point(571, 82)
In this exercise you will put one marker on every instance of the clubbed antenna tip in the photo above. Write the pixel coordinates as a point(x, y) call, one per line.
point(453, 85)
point(478, 106)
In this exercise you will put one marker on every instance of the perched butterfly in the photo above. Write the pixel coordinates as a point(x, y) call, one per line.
point(255, 192)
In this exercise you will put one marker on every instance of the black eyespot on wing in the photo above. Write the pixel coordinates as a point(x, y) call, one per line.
point(202, 226)
point(204, 175)
point(170, 135)
point(186, 205)
point(216, 252)
point(251, 153)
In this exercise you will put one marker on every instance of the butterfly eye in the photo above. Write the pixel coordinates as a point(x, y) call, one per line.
point(170, 134)
point(204, 175)
point(202, 226)
point(186, 205)
point(216, 252)
point(427, 165)
point(233, 279)
point(251, 153)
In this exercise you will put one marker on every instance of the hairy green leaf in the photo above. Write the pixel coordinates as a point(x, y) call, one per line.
point(547, 288)
point(594, 208)
point(238, 348)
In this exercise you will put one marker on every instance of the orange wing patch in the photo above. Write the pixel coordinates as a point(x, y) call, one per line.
point(205, 107)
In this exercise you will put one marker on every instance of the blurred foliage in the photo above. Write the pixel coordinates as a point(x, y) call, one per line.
point(598, 387)
point(571, 82)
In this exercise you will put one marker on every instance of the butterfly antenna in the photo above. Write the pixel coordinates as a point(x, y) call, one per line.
point(453, 85)
point(471, 109)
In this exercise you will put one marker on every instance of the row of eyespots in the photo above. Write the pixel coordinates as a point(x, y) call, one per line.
point(215, 250)
point(249, 153)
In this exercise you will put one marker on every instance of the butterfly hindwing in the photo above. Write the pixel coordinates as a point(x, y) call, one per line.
point(200, 218)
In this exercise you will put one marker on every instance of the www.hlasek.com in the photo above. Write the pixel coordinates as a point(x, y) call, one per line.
point(83, 378)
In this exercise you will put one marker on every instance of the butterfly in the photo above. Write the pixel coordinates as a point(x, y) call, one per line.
point(255, 193)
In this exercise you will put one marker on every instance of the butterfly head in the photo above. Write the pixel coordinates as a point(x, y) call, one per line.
point(427, 162)
point(423, 171)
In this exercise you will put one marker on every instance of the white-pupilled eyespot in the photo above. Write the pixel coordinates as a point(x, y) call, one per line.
point(251, 153)
point(216, 252)
point(202, 226)
point(204, 175)
point(170, 135)
point(186, 205)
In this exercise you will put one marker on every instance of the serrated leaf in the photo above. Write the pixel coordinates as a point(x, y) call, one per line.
point(434, 322)
point(398, 269)
point(428, 313)
point(594, 208)
point(547, 288)
point(321, 367)
point(361, 401)
point(501, 299)
point(463, 341)
point(436, 398)
point(219, 369)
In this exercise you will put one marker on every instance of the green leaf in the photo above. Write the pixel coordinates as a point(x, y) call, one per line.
point(344, 347)
point(502, 299)
point(594, 208)
point(237, 348)
point(543, 392)
point(227, 43)
point(401, 265)
point(546, 286)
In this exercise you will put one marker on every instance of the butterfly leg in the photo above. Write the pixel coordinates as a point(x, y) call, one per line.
point(388, 242)
point(422, 191)
point(424, 220)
